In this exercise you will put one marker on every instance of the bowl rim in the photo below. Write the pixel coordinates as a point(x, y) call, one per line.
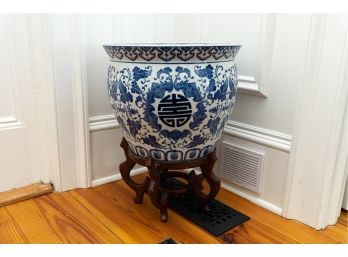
point(173, 45)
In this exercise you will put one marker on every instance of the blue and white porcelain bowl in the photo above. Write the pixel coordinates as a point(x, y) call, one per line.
point(172, 100)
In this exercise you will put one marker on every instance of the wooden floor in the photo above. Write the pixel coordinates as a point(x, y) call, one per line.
point(107, 214)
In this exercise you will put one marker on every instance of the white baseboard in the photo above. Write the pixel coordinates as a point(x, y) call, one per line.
point(264, 204)
point(247, 132)
point(112, 178)
point(260, 202)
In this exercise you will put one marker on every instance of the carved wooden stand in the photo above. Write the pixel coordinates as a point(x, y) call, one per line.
point(159, 171)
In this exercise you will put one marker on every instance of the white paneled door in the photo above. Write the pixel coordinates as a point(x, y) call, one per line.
point(28, 140)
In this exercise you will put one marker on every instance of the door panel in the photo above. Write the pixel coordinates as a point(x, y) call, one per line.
point(23, 156)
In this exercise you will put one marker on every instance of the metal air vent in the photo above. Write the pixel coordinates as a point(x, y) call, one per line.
point(241, 166)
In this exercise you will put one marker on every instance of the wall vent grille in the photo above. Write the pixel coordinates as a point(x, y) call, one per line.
point(241, 166)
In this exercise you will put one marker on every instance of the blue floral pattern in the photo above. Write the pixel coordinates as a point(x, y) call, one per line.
point(136, 90)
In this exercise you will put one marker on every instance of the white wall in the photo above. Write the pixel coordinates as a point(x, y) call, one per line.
point(102, 29)
point(106, 155)
point(257, 59)
point(276, 112)
point(270, 76)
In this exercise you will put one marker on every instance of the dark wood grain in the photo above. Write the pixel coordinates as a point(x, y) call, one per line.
point(159, 170)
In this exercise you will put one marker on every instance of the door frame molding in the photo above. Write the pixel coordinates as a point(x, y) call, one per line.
point(318, 155)
point(71, 100)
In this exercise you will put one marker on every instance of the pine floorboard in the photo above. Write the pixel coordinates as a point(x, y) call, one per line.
point(107, 214)
point(343, 219)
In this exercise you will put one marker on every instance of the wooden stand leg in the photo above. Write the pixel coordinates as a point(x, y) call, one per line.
point(158, 197)
point(125, 169)
point(159, 171)
point(213, 181)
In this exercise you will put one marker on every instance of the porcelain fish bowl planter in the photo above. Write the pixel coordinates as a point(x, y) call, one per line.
point(172, 101)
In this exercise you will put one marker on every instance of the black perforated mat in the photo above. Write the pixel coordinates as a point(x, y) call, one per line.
point(218, 220)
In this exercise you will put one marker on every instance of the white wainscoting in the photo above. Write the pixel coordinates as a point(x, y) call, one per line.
point(258, 135)
point(252, 198)
point(103, 122)
point(112, 178)
point(247, 132)
point(106, 155)
point(276, 147)
point(275, 168)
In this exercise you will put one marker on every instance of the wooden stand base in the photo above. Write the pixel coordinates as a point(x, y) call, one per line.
point(159, 171)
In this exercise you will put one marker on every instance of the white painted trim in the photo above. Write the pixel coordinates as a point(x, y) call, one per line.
point(41, 60)
point(249, 79)
point(80, 101)
point(336, 195)
point(247, 132)
point(10, 122)
point(258, 135)
point(267, 205)
point(16, 81)
point(71, 100)
point(103, 122)
point(267, 39)
point(248, 85)
point(112, 178)
point(312, 192)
